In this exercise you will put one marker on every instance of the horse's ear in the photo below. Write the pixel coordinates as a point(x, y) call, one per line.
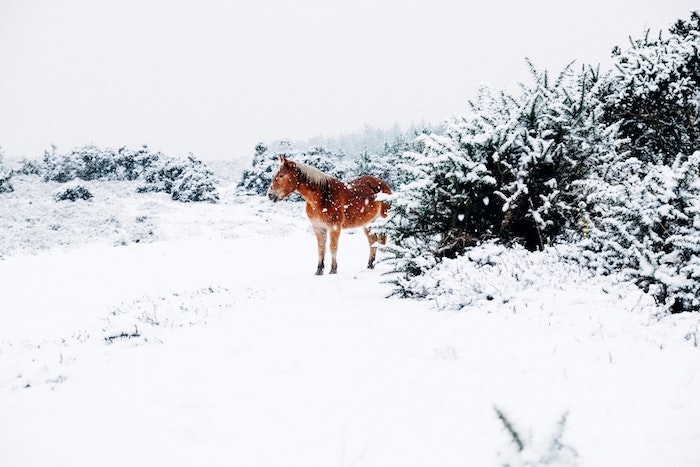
point(286, 161)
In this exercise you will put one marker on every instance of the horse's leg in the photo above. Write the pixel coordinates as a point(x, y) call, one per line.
point(372, 239)
point(320, 232)
point(335, 235)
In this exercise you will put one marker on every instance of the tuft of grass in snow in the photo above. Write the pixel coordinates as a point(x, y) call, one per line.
point(552, 451)
point(510, 429)
point(123, 335)
point(146, 320)
point(142, 318)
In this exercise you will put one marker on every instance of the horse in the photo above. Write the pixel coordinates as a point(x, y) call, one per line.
point(331, 205)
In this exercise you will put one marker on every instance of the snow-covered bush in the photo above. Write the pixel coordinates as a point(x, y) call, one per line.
point(96, 163)
point(60, 168)
point(655, 93)
point(493, 273)
point(160, 176)
point(507, 170)
point(185, 180)
point(5, 182)
point(195, 183)
point(642, 209)
point(131, 164)
point(73, 193)
point(5, 176)
point(647, 224)
point(584, 157)
point(30, 167)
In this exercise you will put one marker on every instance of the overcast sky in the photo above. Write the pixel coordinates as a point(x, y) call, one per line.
point(215, 77)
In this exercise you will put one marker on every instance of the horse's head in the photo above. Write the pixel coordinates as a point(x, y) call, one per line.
point(284, 182)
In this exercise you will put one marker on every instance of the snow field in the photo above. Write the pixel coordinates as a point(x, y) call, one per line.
point(213, 343)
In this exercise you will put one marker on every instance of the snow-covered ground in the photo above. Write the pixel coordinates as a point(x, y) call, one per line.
point(135, 330)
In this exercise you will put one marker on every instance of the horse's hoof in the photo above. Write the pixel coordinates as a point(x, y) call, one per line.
point(333, 271)
point(319, 272)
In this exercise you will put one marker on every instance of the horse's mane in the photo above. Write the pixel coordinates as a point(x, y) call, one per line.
point(313, 176)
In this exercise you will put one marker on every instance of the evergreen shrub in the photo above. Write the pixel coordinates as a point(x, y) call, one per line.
point(73, 193)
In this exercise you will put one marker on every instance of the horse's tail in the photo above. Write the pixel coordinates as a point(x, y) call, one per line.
point(384, 209)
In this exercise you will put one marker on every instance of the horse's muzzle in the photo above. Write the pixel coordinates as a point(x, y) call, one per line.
point(273, 197)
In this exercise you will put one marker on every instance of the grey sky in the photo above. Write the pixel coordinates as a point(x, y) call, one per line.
point(214, 77)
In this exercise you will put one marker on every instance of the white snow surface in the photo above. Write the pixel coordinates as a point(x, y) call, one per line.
point(139, 331)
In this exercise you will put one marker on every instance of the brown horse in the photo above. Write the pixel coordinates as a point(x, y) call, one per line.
point(331, 205)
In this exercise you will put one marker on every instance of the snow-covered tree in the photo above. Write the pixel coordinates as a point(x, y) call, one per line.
point(385, 163)
point(258, 177)
point(332, 163)
point(373, 151)
point(265, 164)
point(370, 140)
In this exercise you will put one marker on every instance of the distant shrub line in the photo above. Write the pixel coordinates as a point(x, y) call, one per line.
point(187, 180)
